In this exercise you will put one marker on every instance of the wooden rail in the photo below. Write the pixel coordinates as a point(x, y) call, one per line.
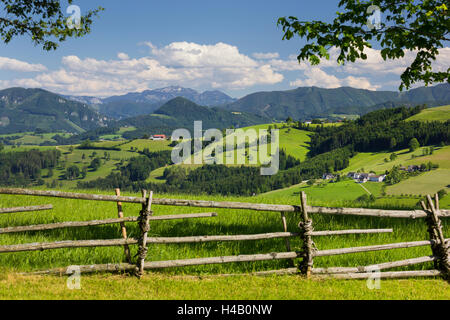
point(379, 266)
point(74, 224)
point(333, 252)
point(129, 241)
point(230, 205)
point(384, 275)
point(26, 209)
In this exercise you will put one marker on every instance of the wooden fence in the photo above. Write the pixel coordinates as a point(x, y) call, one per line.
point(430, 211)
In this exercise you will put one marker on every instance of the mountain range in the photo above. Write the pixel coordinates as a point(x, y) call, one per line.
point(312, 102)
point(174, 107)
point(23, 110)
point(145, 102)
point(181, 113)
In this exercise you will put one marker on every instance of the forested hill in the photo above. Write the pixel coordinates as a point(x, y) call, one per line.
point(24, 110)
point(379, 130)
point(181, 113)
point(313, 102)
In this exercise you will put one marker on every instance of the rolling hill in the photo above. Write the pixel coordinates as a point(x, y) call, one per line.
point(432, 114)
point(313, 102)
point(24, 110)
point(145, 102)
point(181, 113)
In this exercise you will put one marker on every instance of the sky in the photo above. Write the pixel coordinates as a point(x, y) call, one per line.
point(232, 46)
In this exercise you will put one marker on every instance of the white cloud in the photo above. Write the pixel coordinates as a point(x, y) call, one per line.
point(122, 56)
point(319, 78)
point(219, 66)
point(264, 56)
point(17, 65)
point(188, 64)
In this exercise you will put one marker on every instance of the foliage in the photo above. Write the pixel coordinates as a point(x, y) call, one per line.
point(24, 168)
point(44, 22)
point(422, 26)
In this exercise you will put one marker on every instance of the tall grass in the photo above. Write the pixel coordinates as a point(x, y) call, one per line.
point(227, 222)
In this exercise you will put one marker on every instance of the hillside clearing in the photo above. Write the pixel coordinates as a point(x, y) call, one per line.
point(425, 183)
point(432, 114)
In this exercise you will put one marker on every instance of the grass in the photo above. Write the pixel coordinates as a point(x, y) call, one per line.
point(174, 283)
point(141, 144)
point(374, 161)
point(161, 287)
point(432, 114)
point(425, 183)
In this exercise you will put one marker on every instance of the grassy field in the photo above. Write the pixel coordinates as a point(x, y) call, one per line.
point(425, 183)
point(227, 222)
point(432, 114)
point(371, 161)
point(159, 287)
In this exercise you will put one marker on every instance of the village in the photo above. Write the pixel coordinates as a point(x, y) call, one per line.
point(362, 177)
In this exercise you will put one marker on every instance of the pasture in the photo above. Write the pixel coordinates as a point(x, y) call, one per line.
point(432, 114)
point(203, 282)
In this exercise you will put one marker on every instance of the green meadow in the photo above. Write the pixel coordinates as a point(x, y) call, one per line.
point(433, 114)
point(228, 221)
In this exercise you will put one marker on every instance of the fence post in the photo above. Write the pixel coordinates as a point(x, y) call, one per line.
point(144, 227)
point(306, 229)
point(123, 228)
point(439, 247)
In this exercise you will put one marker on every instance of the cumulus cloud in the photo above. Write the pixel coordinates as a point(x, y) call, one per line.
point(319, 78)
point(220, 66)
point(21, 66)
point(264, 56)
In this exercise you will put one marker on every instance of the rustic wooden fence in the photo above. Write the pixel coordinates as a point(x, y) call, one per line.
point(430, 211)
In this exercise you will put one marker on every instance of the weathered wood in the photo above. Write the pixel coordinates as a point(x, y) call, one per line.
point(283, 220)
point(439, 246)
point(68, 224)
point(123, 229)
point(332, 252)
point(65, 244)
point(110, 267)
point(379, 266)
point(70, 195)
point(197, 239)
point(350, 231)
point(231, 205)
point(286, 271)
point(26, 209)
point(383, 275)
point(74, 224)
point(144, 226)
point(220, 260)
point(122, 267)
point(306, 230)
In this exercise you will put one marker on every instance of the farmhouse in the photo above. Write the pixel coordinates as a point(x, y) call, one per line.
point(377, 178)
point(158, 137)
point(327, 176)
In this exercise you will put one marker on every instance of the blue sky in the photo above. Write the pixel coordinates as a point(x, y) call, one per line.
point(232, 46)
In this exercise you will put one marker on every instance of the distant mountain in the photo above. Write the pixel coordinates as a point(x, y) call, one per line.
point(311, 102)
point(181, 113)
point(140, 103)
point(29, 109)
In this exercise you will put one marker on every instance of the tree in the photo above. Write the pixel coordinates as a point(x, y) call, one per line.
point(413, 144)
point(72, 172)
point(1, 147)
point(44, 22)
point(422, 26)
point(392, 143)
point(95, 164)
point(393, 156)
